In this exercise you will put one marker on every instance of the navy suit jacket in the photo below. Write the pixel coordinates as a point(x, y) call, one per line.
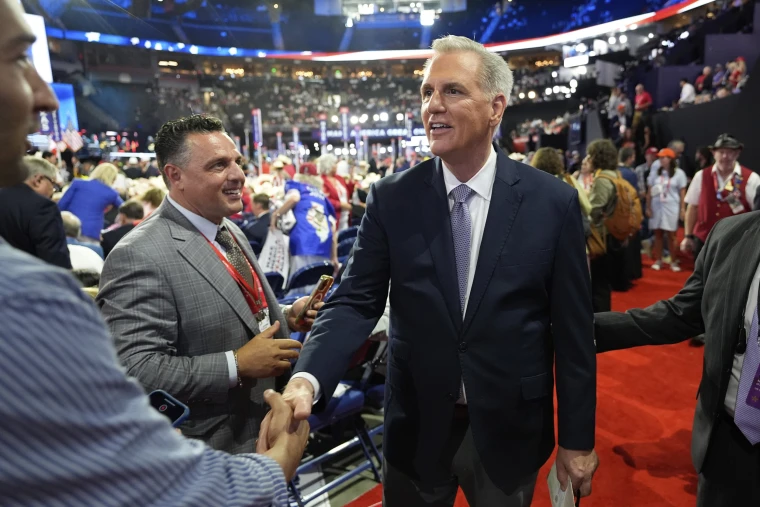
point(529, 311)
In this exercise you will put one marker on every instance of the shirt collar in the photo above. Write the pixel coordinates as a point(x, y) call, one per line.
point(481, 183)
point(737, 168)
point(204, 226)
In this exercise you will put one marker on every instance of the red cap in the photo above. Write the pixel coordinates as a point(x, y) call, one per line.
point(652, 151)
point(741, 59)
point(309, 168)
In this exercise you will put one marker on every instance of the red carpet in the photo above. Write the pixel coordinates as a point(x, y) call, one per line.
point(646, 399)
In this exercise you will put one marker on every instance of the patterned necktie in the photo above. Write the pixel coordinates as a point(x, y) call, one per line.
point(234, 254)
point(747, 417)
point(461, 227)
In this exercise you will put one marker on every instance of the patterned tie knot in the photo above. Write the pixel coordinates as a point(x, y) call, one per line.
point(224, 238)
point(461, 193)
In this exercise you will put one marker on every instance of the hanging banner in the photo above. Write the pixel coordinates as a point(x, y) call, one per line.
point(256, 126)
point(295, 137)
point(296, 148)
point(344, 124)
point(323, 129)
point(366, 148)
point(358, 138)
point(409, 126)
point(279, 143)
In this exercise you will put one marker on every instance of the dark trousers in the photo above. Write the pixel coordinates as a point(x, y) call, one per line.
point(601, 285)
point(730, 475)
point(399, 490)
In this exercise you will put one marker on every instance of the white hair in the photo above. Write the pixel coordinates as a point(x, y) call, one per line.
point(326, 162)
point(71, 224)
point(495, 74)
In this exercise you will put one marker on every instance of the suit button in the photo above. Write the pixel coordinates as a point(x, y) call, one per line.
point(463, 347)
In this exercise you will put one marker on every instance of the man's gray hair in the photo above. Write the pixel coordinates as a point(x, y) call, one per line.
point(35, 165)
point(495, 74)
point(71, 224)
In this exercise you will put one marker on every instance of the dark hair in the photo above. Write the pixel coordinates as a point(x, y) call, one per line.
point(132, 209)
point(47, 154)
point(153, 196)
point(549, 161)
point(603, 154)
point(625, 153)
point(707, 155)
point(684, 80)
point(262, 199)
point(671, 168)
point(170, 139)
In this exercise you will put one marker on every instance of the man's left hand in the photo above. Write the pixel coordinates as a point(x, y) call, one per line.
point(308, 321)
point(579, 466)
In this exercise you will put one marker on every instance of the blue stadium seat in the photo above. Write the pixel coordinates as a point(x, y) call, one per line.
point(345, 234)
point(345, 246)
point(305, 278)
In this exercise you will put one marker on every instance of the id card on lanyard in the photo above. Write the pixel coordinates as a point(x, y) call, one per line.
point(254, 296)
point(665, 190)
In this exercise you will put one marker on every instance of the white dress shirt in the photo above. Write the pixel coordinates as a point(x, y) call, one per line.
point(736, 369)
point(688, 94)
point(478, 204)
point(750, 190)
point(209, 230)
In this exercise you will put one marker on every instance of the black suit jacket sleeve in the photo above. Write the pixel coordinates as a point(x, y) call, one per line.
point(47, 235)
point(572, 330)
point(665, 322)
point(348, 318)
point(757, 201)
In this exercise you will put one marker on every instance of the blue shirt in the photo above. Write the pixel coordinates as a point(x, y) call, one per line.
point(312, 234)
point(629, 176)
point(92, 246)
point(77, 431)
point(88, 199)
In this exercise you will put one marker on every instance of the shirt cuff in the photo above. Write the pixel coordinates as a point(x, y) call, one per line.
point(232, 369)
point(312, 380)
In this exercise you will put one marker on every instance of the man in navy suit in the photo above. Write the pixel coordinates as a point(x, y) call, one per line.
point(489, 292)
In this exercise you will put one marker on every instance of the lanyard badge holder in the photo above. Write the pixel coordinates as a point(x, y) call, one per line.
point(254, 296)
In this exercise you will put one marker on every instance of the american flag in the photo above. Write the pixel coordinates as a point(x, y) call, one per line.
point(73, 139)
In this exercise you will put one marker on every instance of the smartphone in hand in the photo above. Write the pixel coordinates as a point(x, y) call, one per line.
point(317, 295)
point(176, 411)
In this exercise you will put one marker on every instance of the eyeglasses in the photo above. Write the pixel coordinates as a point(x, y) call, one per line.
point(52, 182)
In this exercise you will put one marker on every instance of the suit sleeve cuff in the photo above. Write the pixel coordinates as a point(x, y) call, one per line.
point(313, 381)
point(232, 369)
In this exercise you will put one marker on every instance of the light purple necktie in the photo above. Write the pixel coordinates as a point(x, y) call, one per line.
point(461, 227)
point(747, 417)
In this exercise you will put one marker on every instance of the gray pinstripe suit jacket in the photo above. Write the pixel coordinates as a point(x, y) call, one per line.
point(174, 311)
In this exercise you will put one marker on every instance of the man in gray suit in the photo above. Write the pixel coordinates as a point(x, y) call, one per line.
point(720, 300)
point(183, 294)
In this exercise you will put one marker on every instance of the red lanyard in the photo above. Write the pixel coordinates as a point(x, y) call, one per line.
point(254, 296)
point(667, 189)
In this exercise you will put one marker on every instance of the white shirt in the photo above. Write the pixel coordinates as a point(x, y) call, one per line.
point(688, 94)
point(209, 230)
point(478, 204)
point(736, 369)
point(85, 259)
point(750, 190)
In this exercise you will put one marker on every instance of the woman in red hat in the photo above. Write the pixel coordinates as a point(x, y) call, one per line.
point(667, 187)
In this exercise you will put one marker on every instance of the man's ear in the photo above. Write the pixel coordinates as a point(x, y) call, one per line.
point(174, 175)
point(498, 107)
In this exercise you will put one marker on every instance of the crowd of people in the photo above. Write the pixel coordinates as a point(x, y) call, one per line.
point(183, 306)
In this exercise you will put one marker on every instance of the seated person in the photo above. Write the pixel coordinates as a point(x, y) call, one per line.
point(130, 214)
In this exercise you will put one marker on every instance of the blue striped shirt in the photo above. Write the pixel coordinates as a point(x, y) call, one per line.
point(75, 430)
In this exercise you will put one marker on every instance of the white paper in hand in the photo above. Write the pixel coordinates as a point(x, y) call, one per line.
point(560, 498)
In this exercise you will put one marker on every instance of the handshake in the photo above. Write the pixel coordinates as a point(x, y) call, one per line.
point(285, 431)
point(282, 437)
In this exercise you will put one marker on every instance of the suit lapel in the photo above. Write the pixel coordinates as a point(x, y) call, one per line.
point(193, 247)
point(437, 230)
point(505, 201)
point(274, 306)
point(744, 263)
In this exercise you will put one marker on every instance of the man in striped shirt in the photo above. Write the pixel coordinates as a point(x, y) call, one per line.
point(75, 430)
